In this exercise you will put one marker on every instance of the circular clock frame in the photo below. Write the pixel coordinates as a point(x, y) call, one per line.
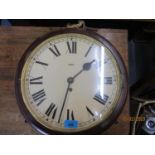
point(100, 127)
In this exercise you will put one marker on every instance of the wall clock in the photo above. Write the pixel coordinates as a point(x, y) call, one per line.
point(71, 81)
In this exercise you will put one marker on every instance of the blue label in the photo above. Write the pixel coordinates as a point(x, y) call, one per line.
point(71, 124)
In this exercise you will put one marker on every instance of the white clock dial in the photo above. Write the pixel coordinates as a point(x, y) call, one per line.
point(70, 82)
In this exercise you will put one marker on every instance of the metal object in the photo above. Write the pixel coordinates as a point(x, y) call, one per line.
point(149, 125)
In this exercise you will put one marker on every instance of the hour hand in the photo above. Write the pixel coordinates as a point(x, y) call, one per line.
point(87, 66)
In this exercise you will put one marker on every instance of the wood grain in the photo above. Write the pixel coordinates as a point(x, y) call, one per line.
point(13, 42)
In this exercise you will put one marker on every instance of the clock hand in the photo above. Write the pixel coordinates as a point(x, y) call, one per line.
point(70, 81)
point(86, 67)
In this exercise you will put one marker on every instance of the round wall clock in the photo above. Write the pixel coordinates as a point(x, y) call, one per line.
point(71, 81)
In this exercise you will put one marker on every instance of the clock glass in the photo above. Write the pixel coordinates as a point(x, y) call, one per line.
point(70, 82)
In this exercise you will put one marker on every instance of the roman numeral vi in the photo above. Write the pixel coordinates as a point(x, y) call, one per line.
point(70, 115)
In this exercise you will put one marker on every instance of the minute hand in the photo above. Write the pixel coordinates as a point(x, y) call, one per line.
point(70, 80)
point(64, 100)
point(86, 67)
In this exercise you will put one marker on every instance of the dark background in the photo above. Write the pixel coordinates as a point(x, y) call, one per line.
point(141, 40)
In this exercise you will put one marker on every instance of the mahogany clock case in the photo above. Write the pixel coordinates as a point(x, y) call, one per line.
point(95, 130)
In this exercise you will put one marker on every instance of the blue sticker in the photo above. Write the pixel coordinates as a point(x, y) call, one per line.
point(71, 124)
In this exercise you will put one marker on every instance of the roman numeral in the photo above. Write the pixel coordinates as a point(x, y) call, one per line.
point(36, 80)
point(51, 109)
point(55, 51)
point(39, 96)
point(100, 99)
point(42, 63)
point(107, 80)
point(89, 111)
point(88, 51)
point(70, 116)
point(42, 100)
point(54, 113)
point(73, 47)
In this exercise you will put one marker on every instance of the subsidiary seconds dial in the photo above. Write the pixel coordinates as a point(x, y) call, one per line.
point(71, 82)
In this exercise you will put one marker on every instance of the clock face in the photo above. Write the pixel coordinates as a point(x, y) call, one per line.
point(70, 82)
